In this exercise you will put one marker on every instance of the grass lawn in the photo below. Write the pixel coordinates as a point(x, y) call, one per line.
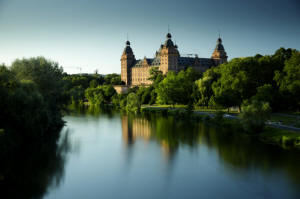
point(286, 119)
point(202, 109)
point(281, 137)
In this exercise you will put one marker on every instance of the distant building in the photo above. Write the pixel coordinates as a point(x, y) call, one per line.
point(167, 58)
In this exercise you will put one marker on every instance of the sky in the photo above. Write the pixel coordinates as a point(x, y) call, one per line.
point(91, 34)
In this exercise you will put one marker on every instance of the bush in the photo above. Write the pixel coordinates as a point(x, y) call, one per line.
point(133, 103)
point(254, 116)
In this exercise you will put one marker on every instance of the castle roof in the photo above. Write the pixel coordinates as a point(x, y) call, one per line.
point(151, 62)
point(190, 61)
point(182, 61)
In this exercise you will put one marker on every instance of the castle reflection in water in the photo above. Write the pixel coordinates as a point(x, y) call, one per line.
point(140, 128)
point(134, 128)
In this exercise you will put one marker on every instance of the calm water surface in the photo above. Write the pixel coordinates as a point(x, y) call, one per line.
point(120, 156)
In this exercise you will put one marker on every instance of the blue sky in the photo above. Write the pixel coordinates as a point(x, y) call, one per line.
point(91, 34)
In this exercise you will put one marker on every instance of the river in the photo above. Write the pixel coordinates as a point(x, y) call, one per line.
point(114, 155)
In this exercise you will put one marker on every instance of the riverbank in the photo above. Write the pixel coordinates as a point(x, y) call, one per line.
point(275, 132)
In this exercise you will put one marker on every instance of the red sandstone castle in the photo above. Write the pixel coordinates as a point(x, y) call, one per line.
point(167, 58)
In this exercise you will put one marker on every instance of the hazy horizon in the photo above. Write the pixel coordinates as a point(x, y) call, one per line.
point(91, 34)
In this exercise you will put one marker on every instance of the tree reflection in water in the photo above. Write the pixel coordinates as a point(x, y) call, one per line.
point(31, 170)
point(237, 151)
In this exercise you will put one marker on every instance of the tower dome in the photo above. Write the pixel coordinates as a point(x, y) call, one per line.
point(219, 53)
point(127, 49)
point(169, 36)
point(219, 45)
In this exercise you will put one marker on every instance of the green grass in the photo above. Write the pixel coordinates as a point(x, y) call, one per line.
point(285, 120)
point(197, 108)
point(288, 119)
point(202, 109)
point(166, 106)
point(283, 138)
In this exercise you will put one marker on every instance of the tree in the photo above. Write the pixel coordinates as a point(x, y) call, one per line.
point(144, 94)
point(265, 93)
point(112, 79)
point(24, 109)
point(169, 90)
point(133, 103)
point(289, 80)
point(204, 87)
point(176, 88)
point(76, 94)
point(254, 116)
point(93, 83)
point(100, 95)
point(154, 73)
point(47, 75)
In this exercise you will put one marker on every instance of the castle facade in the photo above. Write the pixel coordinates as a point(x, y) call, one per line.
point(167, 58)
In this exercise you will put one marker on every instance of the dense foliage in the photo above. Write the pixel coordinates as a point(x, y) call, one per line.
point(76, 84)
point(100, 95)
point(32, 96)
point(266, 78)
point(254, 116)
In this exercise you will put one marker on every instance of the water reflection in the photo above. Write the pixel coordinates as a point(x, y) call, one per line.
point(149, 156)
point(34, 169)
point(237, 152)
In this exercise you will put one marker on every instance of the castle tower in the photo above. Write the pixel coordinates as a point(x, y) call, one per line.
point(127, 61)
point(219, 55)
point(169, 56)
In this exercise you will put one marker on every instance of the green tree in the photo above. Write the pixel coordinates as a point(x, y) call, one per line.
point(176, 88)
point(113, 79)
point(133, 103)
point(47, 77)
point(169, 90)
point(154, 73)
point(93, 83)
point(144, 94)
point(100, 95)
point(265, 93)
point(24, 110)
point(204, 87)
point(289, 80)
point(254, 116)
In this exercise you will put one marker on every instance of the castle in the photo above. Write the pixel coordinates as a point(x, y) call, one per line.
point(167, 58)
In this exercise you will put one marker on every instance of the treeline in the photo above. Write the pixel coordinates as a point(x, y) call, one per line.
point(272, 78)
point(260, 81)
point(33, 92)
point(31, 97)
point(93, 88)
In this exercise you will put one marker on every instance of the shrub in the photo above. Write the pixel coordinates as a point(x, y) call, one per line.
point(133, 103)
point(254, 116)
